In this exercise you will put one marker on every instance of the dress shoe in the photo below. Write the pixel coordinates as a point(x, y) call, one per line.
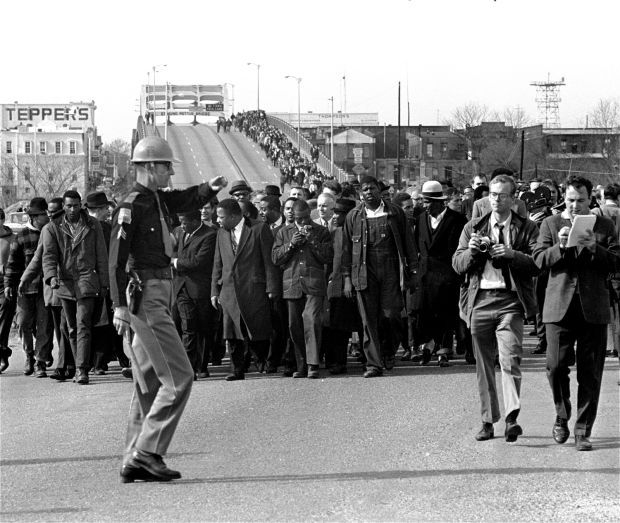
point(560, 430)
point(235, 377)
point(313, 372)
point(40, 372)
point(539, 350)
point(126, 372)
point(5, 354)
point(288, 373)
point(513, 431)
point(582, 442)
point(153, 464)
point(29, 366)
point(130, 473)
point(486, 432)
point(443, 360)
point(59, 375)
point(426, 356)
point(389, 362)
point(373, 372)
point(82, 377)
point(300, 374)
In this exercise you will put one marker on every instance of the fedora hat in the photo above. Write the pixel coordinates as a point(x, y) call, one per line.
point(37, 206)
point(432, 189)
point(239, 185)
point(96, 199)
point(272, 190)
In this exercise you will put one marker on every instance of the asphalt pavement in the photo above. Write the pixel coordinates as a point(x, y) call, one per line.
point(396, 448)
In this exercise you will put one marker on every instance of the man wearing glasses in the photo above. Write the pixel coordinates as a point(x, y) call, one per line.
point(495, 256)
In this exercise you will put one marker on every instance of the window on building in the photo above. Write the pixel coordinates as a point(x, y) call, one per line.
point(28, 147)
point(429, 150)
point(444, 148)
point(58, 147)
point(72, 147)
point(563, 145)
point(9, 147)
point(43, 147)
point(447, 173)
point(27, 173)
point(549, 145)
point(9, 175)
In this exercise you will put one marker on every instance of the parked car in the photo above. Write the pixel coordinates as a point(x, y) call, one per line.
point(16, 220)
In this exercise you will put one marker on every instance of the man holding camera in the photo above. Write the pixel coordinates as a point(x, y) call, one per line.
point(495, 255)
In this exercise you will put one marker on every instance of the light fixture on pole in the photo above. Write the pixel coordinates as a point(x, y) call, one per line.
point(257, 84)
point(331, 137)
point(298, 108)
point(154, 102)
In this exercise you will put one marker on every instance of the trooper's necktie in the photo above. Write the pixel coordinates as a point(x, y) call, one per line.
point(504, 267)
point(165, 232)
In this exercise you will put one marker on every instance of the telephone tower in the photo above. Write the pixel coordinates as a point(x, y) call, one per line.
point(548, 100)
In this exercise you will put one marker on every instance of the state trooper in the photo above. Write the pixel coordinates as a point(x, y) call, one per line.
point(140, 251)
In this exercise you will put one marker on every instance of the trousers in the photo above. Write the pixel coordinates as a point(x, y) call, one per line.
point(591, 342)
point(34, 320)
point(160, 357)
point(305, 323)
point(79, 316)
point(497, 326)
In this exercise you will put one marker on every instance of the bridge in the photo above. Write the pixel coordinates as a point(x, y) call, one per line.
point(184, 115)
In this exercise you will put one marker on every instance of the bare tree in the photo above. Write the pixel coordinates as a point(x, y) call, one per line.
point(469, 115)
point(606, 115)
point(514, 117)
point(118, 146)
point(117, 154)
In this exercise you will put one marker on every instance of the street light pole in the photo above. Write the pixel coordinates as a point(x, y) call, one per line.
point(298, 109)
point(331, 135)
point(257, 84)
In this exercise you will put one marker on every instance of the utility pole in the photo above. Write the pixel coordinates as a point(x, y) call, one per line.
point(397, 168)
point(331, 137)
point(522, 149)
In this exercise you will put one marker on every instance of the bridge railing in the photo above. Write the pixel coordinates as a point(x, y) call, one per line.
point(305, 146)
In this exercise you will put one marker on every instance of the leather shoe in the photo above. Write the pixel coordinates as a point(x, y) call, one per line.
point(82, 377)
point(131, 473)
point(58, 374)
point(5, 354)
point(582, 442)
point(560, 430)
point(29, 366)
point(300, 374)
point(40, 373)
point(153, 464)
point(443, 361)
point(235, 377)
point(313, 372)
point(513, 431)
point(486, 432)
point(373, 372)
point(426, 356)
point(127, 373)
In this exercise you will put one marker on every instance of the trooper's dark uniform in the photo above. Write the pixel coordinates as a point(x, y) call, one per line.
point(138, 246)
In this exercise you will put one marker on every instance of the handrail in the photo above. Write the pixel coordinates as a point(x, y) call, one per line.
point(305, 146)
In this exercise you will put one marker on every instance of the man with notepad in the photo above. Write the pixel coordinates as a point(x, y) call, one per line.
point(580, 250)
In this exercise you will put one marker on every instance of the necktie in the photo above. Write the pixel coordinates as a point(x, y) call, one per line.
point(165, 233)
point(233, 242)
point(504, 267)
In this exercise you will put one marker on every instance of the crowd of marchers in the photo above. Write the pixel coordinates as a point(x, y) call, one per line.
point(291, 284)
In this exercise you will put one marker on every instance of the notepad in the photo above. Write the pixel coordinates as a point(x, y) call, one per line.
point(581, 224)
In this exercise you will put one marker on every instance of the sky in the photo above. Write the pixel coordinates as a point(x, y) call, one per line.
point(445, 53)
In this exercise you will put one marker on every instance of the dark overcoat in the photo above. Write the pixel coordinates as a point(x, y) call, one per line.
point(195, 262)
point(243, 280)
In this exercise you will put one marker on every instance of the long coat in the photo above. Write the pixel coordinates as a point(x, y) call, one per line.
point(195, 263)
point(243, 280)
point(438, 283)
point(81, 266)
point(570, 271)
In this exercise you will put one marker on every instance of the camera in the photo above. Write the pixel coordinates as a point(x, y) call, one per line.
point(485, 244)
point(305, 230)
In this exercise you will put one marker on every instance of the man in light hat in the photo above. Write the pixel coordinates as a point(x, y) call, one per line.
point(436, 235)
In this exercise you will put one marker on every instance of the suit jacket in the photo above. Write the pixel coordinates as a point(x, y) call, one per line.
point(330, 225)
point(571, 271)
point(483, 206)
point(523, 235)
point(195, 262)
point(243, 280)
point(304, 265)
point(437, 280)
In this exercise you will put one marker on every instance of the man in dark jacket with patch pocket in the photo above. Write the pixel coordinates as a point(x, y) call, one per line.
point(75, 262)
